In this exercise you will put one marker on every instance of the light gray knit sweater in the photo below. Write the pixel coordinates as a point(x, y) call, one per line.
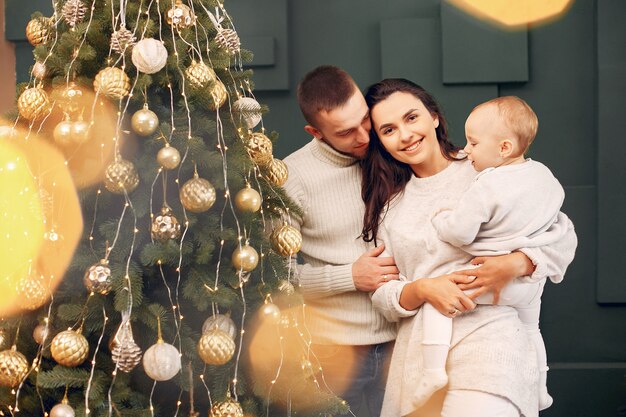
point(490, 351)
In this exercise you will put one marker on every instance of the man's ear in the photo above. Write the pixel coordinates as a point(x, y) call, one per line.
point(506, 148)
point(313, 131)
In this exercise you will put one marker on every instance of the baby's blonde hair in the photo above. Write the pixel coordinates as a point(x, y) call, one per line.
point(518, 117)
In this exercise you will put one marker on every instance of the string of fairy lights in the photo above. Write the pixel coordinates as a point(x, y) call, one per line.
point(220, 341)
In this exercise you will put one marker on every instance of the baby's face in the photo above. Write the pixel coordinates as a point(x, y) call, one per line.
point(484, 131)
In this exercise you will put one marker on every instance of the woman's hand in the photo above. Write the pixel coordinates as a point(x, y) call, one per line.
point(442, 292)
point(495, 272)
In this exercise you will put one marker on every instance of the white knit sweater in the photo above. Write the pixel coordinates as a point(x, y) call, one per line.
point(490, 351)
point(327, 186)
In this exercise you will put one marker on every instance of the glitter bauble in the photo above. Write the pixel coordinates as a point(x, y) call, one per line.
point(69, 348)
point(32, 291)
point(80, 132)
point(124, 351)
point(216, 347)
point(286, 240)
point(33, 103)
point(165, 226)
point(245, 258)
point(218, 95)
point(270, 312)
point(248, 200)
point(70, 99)
point(149, 55)
point(229, 40)
point(249, 110)
point(226, 408)
point(168, 157)
point(259, 148)
point(121, 175)
point(39, 70)
point(13, 368)
point(38, 30)
point(122, 39)
point(62, 410)
point(222, 322)
point(40, 333)
point(180, 16)
point(112, 82)
point(199, 74)
point(277, 172)
point(73, 12)
point(161, 361)
point(144, 122)
point(197, 195)
point(286, 287)
point(97, 278)
point(62, 133)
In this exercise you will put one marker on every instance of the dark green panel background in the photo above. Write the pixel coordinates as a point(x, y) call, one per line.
point(576, 84)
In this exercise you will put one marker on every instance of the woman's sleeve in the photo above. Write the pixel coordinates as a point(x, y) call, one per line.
point(552, 260)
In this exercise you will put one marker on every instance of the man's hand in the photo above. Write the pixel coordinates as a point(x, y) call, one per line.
point(370, 272)
point(495, 272)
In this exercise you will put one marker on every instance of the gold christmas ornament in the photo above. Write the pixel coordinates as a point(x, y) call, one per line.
point(97, 278)
point(80, 131)
point(32, 103)
point(38, 30)
point(229, 40)
point(248, 200)
point(249, 110)
point(39, 70)
point(112, 82)
point(216, 347)
point(32, 291)
point(144, 122)
point(13, 367)
point(165, 226)
point(218, 95)
point(149, 55)
point(62, 409)
point(62, 133)
point(71, 98)
point(125, 352)
point(271, 312)
point(286, 240)
point(245, 258)
point(277, 172)
point(180, 16)
point(161, 361)
point(122, 39)
point(40, 333)
point(73, 12)
point(199, 74)
point(286, 287)
point(168, 157)
point(69, 348)
point(197, 195)
point(221, 322)
point(121, 175)
point(226, 408)
point(4, 339)
point(259, 148)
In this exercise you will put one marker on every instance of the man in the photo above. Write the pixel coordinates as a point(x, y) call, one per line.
point(350, 339)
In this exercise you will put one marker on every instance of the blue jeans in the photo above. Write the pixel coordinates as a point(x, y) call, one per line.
point(357, 374)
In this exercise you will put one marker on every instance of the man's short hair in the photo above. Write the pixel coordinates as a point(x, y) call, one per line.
point(518, 117)
point(323, 89)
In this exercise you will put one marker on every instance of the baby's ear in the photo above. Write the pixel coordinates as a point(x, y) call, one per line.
point(506, 148)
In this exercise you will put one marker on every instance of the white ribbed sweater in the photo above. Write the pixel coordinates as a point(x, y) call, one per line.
point(327, 186)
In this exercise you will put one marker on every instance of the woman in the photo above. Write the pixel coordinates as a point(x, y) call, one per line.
point(410, 173)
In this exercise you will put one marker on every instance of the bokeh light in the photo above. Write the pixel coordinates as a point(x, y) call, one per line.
point(512, 13)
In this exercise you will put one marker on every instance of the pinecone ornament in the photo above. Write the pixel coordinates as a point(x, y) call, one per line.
point(38, 30)
point(112, 82)
point(226, 408)
point(69, 348)
point(216, 347)
point(229, 40)
point(122, 39)
point(277, 172)
point(286, 240)
point(73, 12)
point(259, 148)
point(200, 74)
point(13, 367)
point(125, 352)
point(165, 226)
point(98, 278)
point(197, 194)
point(121, 175)
point(33, 103)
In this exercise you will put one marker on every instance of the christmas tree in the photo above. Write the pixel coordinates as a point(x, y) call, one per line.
point(186, 239)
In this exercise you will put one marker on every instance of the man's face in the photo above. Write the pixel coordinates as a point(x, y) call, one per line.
point(346, 129)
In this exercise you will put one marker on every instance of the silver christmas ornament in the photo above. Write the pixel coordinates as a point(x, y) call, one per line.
point(40, 333)
point(168, 157)
point(165, 226)
point(161, 361)
point(98, 278)
point(222, 322)
point(39, 70)
point(144, 122)
point(249, 110)
point(62, 410)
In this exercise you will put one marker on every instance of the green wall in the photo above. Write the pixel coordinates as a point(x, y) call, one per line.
point(573, 73)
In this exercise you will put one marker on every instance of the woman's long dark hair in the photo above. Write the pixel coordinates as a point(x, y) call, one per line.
point(383, 176)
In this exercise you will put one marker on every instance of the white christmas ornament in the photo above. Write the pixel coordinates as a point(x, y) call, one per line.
point(149, 55)
point(161, 361)
point(250, 111)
